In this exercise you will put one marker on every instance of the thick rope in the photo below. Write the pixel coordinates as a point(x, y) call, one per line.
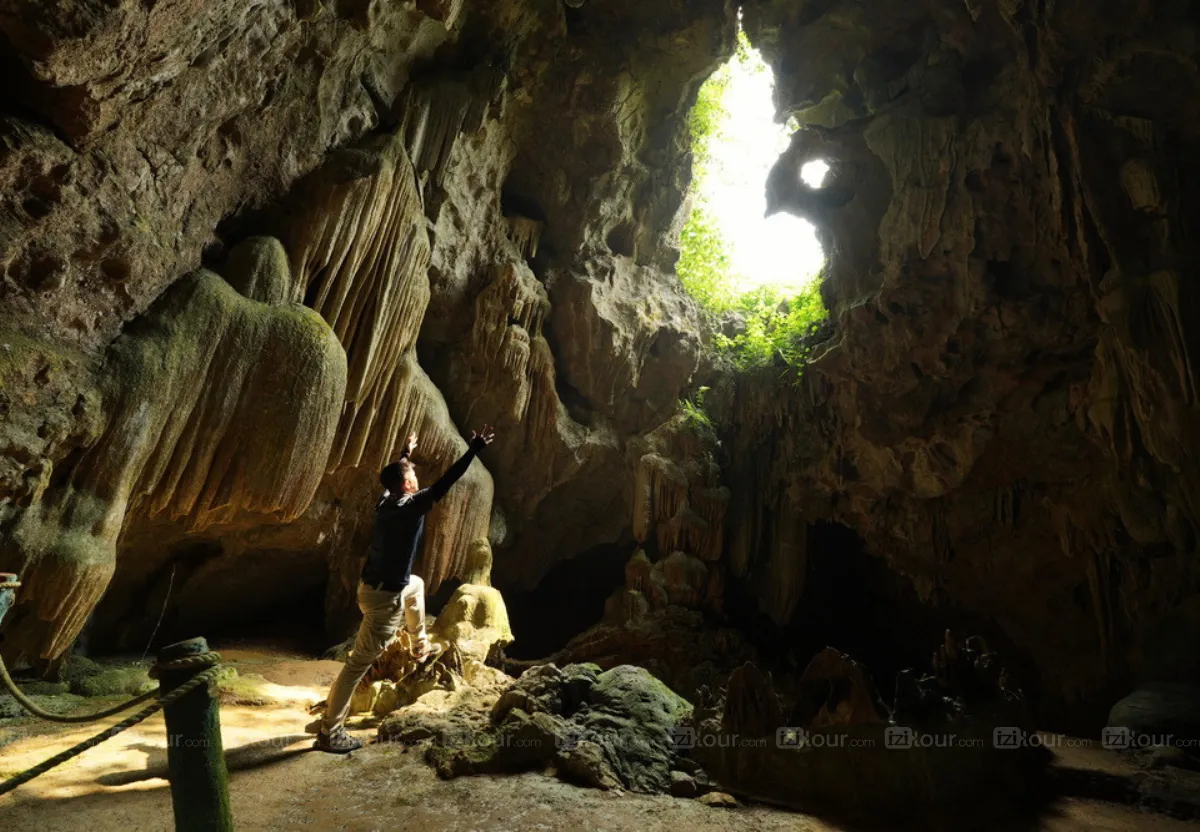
point(209, 660)
point(29, 705)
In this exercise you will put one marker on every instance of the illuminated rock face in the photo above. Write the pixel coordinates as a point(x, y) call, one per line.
point(206, 444)
point(246, 249)
point(217, 404)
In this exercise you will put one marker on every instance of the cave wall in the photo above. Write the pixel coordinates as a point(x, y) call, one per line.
point(352, 165)
point(247, 247)
point(1005, 409)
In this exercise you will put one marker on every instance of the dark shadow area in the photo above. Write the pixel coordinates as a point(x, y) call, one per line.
point(294, 623)
point(513, 203)
point(852, 601)
point(569, 600)
point(436, 602)
point(252, 755)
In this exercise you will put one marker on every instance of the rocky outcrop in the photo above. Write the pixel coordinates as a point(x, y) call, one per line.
point(247, 248)
point(1006, 226)
point(391, 175)
point(603, 730)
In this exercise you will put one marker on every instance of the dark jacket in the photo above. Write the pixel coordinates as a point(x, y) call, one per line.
point(399, 528)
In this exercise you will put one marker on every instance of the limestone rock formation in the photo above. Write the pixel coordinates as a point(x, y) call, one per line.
point(1004, 223)
point(219, 403)
point(606, 729)
point(479, 205)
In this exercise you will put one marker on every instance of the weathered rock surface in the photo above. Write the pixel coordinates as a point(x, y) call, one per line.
point(402, 206)
point(1003, 410)
point(474, 209)
point(605, 730)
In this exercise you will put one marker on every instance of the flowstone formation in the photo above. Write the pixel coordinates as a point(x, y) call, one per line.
point(406, 163)
point(179, 391)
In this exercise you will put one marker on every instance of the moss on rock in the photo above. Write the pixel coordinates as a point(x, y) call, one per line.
point(115, 681)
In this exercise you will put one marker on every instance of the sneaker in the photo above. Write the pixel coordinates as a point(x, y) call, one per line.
point(337, 742)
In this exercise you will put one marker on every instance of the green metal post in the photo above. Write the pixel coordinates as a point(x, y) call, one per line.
point(195, 758)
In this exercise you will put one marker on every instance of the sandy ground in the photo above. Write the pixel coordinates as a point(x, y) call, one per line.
point(278, 782)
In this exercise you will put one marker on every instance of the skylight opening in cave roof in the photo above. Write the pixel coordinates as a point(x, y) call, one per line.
point(742, 144)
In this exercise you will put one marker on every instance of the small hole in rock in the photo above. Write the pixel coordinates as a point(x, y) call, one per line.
point(45, 272)
point(35, 208)
point(620, 240)
point(115, 269)
point(814, 173)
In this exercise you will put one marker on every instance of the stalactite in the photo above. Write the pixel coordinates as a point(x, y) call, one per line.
point(524, 234)
point(787, 564)
point(544, 410)
point(509, 314)
point(437, 112)
point(361, 253)
point(1165, 289)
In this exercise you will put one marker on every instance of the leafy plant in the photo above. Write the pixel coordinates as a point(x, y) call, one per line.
point(694, 411)
point(777, 327)
point(774, 325)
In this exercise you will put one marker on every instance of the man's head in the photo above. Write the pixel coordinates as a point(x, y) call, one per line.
point(399, 478)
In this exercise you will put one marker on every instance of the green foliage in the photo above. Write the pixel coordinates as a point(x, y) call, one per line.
point(704, 264)
point(694, 412)
point(775, 325)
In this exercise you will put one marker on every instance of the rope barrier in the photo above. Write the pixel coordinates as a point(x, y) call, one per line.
point(209, 660)
point(29, 705)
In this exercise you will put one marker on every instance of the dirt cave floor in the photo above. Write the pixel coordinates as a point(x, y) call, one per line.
point(278, 782)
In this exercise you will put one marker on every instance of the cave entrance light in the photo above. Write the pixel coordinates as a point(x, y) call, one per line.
point(813, 173)
point(737, 143)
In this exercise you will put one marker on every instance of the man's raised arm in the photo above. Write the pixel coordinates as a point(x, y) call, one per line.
point(435, 492)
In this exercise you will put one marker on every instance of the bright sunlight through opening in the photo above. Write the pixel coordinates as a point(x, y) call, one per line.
point(782, 250)
point(814, 173)
point(757, 277)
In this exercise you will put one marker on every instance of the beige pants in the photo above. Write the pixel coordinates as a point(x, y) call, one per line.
point(383, 613)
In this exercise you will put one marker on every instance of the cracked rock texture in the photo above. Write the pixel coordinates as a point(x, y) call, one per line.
point(1006, 411)
point(394, 233)
point(246, 248)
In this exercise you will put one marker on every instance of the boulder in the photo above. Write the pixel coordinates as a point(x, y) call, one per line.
point(683, 785)
point(539, 690)
point(630, 715)
point(585, 764)
point(1159, 709)
point(720, 800)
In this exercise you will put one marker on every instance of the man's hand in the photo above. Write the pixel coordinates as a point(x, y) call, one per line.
point(411, 444)
point(485, 436)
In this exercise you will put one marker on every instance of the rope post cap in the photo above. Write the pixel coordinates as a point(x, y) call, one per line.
point(182, 650)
